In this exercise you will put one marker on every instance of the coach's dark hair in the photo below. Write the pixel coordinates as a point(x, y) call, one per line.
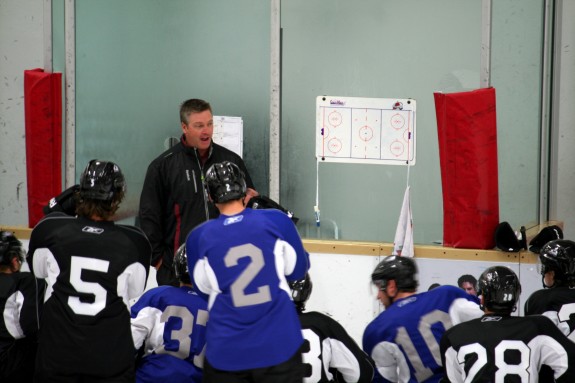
point(194, 105)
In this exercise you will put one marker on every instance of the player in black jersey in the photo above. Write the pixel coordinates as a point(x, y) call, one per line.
point(329, 353)
point(18, 313)
point(93, 267)
point(557, 299)
point(502, 348)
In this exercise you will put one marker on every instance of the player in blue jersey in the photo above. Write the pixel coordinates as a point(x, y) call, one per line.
point(404, 339)
point(170, 323)
point(243, 261)
point(329, 353)
point(502, 348)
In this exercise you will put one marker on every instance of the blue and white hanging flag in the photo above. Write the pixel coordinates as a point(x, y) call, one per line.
point(403, 242)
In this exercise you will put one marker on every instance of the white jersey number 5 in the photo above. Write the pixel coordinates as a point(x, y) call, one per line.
point(77, 264)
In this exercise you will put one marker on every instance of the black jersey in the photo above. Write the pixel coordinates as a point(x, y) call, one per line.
point(506, 349)
point(558, 304)
point(19, 311)
point(93, 269)
point(20, 304)
point(330, 354)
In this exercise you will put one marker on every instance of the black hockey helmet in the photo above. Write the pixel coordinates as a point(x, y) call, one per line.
point(500, 289)
point(559, 256)
point(300, 291)
point(225, 182)
point(101, 180)
point(10, 247)
point(181, 265)
point(402, 270)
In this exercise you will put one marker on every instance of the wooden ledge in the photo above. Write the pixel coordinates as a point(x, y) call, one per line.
point(384, 248)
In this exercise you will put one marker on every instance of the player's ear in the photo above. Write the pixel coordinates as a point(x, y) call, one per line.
point(391, 288)
point(15, 264)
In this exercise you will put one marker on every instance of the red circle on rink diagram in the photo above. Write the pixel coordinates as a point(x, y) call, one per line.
point(397, 148)
point(397, 121)
point(334, 145)
point(335, 119)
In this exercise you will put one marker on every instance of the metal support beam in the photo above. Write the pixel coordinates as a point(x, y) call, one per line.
point(485, 70)
point(70, 92)
point(275, 76)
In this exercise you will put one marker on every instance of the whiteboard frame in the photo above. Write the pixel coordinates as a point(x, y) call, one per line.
point(370, 139)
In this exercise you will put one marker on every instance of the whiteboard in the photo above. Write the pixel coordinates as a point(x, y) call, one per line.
point(365, 130)
point(229, 132)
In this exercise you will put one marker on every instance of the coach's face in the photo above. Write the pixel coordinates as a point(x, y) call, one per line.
point(199, 130)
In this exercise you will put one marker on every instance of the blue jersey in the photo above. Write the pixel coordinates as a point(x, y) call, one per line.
point(243, 262)
point(170, 322)
point(404, 339)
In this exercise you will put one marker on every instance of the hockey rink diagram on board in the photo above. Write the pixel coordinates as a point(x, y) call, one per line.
point(365, 130)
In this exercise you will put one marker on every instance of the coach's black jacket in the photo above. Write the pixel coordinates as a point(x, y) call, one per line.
point(173, 200)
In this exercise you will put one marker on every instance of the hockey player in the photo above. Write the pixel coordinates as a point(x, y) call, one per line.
point(557, 298)
point(329, 354)
point(18, 313)
point(93, 268)
point(243, 261)
point(502, 348)
point(170, 323)
point(404, 339)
